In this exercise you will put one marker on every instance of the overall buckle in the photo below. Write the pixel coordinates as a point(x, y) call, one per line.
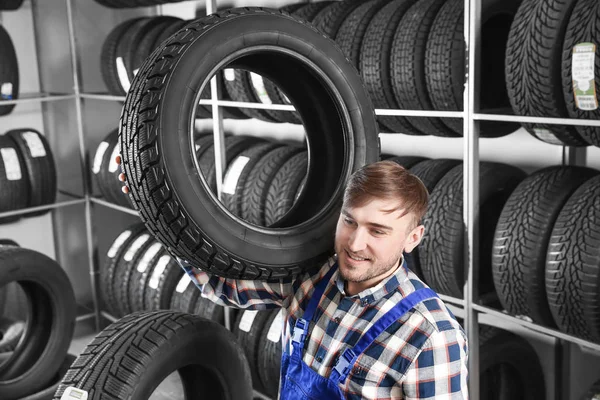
point(299, 334)
point(344, 363)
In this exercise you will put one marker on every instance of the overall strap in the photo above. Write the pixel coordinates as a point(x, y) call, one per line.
point(348, 358)
point(301, 326)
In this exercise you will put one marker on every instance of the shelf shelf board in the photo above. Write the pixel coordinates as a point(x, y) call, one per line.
point(241, 104)
point(535, 120)
point(257, 394)
point(37, 97)
point(101, 96)
point(62, 200)
point(114, 206)
point(489, 316)
point(109, 317)
point(452, 300)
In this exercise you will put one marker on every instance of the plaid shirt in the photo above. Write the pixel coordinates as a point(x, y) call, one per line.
point(421, 356)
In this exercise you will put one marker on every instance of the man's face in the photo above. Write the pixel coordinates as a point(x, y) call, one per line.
point(369, 241)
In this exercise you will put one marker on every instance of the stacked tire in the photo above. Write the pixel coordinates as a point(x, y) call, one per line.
point(106, 170)
point(546, 262)
point(9, 68)
point(27, 172)
point(134, 3)
point(34, 344)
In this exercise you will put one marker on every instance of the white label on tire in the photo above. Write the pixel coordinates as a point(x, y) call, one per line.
point(72, 393)
point(135, 246)
point(229, 74)
point(35, 144)
point(547, 136)
point(11, 164)
point(233, 174)
point(150, 253)
point(259, 88)
point(158, 271)
point(247, 320)
point(274, 333)
point(118, 243)
point(584, 83)
point(122, 73)
point(183, 283)
point(112, 163)
point(99, 156)
point(6, 90)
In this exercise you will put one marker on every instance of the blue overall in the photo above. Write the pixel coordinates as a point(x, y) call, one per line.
point(300, 382)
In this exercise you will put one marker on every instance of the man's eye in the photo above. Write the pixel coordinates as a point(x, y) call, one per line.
point(348, 221)
point(378, 232)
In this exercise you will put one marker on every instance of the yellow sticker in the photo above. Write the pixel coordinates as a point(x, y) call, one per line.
point(583, 75)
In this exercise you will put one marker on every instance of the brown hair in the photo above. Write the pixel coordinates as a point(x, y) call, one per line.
point(387, 180)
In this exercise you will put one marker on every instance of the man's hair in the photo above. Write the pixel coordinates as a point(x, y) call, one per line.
point(387, 180)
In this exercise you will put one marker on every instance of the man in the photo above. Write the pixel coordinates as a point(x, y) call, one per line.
point(363, 326)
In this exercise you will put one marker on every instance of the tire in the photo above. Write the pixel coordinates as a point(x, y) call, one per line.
point(142, 274)
point(10, 334)
point(407, 161)
point(257, 185)
point(240, 88)
point(10, 4)
point(582, 28)
point(9, 72)
point(281, 194)
point(593, 393)
point(39, 164)
point(51, 321)
point(13, 179)
point(375, 64)
point(269, 358)
point(441, 251)
point(108, 274)
point(228, 112)
point(210, 236)
point(185, 295)
point(533, 63)
point(445, 62)
point(352, 31)
point(148, 41)
point(573, 264)
point(522, 236)
point(330, 20)
point(430, 172)
point(113, 186)
point(132, 356)
point(166, 274)
point(248, 328)
point(513, 360)
point(48, 393)
point(101, 161)
point(207, 309)
point(408, 78)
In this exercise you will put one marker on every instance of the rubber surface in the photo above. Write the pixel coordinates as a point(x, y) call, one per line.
point(9, 72)
point(269, 358)
point(249, 340)
point(13, 178)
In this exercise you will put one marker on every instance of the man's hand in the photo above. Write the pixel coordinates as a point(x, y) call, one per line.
point(124, 189)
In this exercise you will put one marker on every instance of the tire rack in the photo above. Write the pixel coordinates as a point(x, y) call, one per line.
point(471, 308)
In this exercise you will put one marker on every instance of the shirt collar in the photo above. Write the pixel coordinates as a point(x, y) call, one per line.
point(389, 285)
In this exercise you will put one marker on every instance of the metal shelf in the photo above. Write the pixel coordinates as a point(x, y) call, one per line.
point(535, 120)
point(452, 300)
point(37, 98)
point(257, 394)
point(101, 96)
point(500, 319)
point(62, 201)
point(114, 206)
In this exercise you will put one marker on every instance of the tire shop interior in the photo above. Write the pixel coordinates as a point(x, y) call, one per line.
point(491, 103)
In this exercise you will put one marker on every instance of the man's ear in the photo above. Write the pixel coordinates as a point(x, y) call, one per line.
point(414, 238)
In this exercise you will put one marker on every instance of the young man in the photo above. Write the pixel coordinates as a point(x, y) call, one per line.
point(363, 326)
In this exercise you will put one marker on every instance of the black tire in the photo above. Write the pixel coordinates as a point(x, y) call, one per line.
point(113, 186)
point(10, 4)
point(408, 66)
point(248, 336)
point(141, 274)
point(40, 167)
point(10, 334)
point(185, 296)
point(210, 237)
point(330, 20)
point(311, 10)
point(582, 28)
point(205, 111)
point(269, 358)
point(407, 161)
point(9, 72)
point(573, 264)
point(13, 179)
point(283, 188)
point(207, 309)
point(164, 277)
point(445, 62)
point(430, 172)
point(533, 68)
point(102, 157)
point(50, 326)
point(522, 237)
point(48, 393)
point(241, 88)
point(375, 64)
point(593, 393)
point(108, 271)
point(441, 251)
point(257, 185)
point(132, 356)
point(148, 40)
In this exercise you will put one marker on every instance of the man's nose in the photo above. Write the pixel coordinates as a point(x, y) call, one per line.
point(357, 241)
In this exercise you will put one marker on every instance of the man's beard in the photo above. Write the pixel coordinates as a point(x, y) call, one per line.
point(373, 271)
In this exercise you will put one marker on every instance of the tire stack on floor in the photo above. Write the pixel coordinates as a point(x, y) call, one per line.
point(106, 171)
point(9, 67)
point(27, 172)
point(546, 257)
point(40, 306)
